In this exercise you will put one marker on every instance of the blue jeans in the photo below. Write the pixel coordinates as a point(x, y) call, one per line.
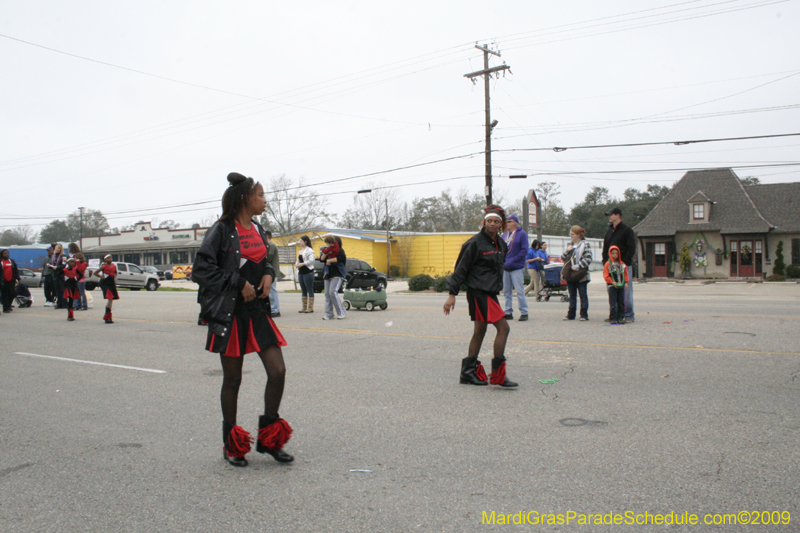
point(629, 297)
point(574, 288)
point(81, 304)
point(515, 280)
point(274, 304)
point(307, 284)
point(333, 305)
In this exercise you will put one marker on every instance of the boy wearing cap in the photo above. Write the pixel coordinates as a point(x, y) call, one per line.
point(621, 236)
point(480, 268)
point(514, 268)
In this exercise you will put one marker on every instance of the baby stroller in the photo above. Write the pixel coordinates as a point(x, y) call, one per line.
point(23, 296)
point(553, 283)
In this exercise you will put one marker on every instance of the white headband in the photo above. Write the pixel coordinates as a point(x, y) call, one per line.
point(106, 256)
point(495, 215)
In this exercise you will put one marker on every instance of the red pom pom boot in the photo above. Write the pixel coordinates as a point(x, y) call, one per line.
point(237, 444)
point(498, 375)
point(472, 372)
point(273, 433)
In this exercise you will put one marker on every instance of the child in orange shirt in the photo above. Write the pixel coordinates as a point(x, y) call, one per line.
point(616, 276)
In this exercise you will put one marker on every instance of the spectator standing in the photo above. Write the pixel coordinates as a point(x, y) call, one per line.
point(59, 262)
point(621, 236)
point(274, 260)
point(514, 268)
point(10, 277)
point(579, 255)
point(536, 259)
point(47, 279)
point(305, 270)
point(335, 273)
point(616, 278)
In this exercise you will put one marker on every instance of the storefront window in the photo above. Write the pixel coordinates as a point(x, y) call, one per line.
point(179, 258)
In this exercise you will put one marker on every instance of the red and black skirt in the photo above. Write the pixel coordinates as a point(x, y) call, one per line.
point(252, 330)
point(109, 288)
point(484, 307)
point(71, 289)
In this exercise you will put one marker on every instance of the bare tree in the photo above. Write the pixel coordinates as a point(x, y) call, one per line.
point(292, 207)
point(20, 235)
point(371, 210)
point(403, 248)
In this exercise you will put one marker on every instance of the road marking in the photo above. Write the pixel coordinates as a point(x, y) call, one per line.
point(92, 362)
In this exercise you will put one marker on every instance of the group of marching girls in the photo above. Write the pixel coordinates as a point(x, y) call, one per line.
point(75, 270)
point(235, 279)
point(480, 268)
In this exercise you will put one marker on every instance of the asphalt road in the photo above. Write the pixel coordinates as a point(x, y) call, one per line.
point(693, 409)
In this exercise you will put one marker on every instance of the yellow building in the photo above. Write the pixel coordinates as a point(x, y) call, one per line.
point(415, 253)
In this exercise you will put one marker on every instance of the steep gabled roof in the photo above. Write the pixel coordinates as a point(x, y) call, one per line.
point(699, 196)
point(779, 203)
point(733, 212)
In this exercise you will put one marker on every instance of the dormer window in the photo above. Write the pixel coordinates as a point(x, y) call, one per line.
point(699, 207)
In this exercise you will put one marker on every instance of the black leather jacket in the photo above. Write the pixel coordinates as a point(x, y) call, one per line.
point(480, 264)
point(216, 270)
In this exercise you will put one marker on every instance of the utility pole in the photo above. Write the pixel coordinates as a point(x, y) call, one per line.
point(487, 74)
point(388, 242)
point(81, 232)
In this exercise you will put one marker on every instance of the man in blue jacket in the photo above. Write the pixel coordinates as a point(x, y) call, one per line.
point(514, 268)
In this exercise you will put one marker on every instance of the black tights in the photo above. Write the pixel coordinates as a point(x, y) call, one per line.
point(479, 332)
point(272, 359)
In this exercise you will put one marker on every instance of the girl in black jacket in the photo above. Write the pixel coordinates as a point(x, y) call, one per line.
point(235, 280)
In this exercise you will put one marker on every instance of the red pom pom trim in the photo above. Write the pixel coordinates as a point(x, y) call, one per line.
point(275, 435)
point(480, 373)
point(238, 443)
point(498, 377)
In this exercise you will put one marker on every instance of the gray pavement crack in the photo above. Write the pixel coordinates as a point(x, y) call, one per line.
point(7, 471)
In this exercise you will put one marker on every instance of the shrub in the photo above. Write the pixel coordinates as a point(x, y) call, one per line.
point(776, 277)
point(780, 264)
point(394, 271)
point(440, 283)
point(420, 282)
point(793, 271)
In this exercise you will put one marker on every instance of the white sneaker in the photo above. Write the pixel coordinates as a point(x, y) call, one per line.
point(48, 304)
point(341, 317)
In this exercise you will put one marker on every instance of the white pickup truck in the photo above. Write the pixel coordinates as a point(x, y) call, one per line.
point(129, 276)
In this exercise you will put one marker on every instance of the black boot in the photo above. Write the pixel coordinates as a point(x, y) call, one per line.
point(237, 444)
point(472, 372)
point(273, 432)
point(498, 375)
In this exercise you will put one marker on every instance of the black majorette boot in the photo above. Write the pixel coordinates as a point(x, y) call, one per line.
point(237, 444)
point(472, 372)
point(498, 375)
point(273, 433)
point(107, 316)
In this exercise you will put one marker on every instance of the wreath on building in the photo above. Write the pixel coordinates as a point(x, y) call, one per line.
point(746, 251)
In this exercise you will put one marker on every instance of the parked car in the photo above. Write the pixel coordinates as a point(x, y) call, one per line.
point(129, 276)
point(30, 278)
point(153, 270)
point(370, 278)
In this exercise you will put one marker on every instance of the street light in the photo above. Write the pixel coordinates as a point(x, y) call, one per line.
point(81, 232)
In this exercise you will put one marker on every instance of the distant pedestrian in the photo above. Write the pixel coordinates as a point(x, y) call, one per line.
point(59, 262)
point(514, 268)
point(47, 279)
point(616, 276)
point(480, 267)
point(108, 275)
point(623, 237)
point(577, 256)
point(9, 280)
point(335, 274)
point(536, 259)
point(274, 260)
point(71, 293)
point(306, 273)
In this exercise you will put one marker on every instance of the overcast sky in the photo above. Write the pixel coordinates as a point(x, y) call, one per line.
point(127, 107)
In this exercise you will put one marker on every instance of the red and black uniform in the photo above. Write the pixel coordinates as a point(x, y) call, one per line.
point(252, 329)
point(10, 277)
point(71, 276)
point(480, 267)
point(108, 284)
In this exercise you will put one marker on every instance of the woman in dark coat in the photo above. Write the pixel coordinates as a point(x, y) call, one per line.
point(235, 280)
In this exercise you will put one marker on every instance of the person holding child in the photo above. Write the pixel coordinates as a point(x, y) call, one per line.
point(335, 260)
point(616, 276)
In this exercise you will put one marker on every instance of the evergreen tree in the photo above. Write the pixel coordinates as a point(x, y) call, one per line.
point(780, 265)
